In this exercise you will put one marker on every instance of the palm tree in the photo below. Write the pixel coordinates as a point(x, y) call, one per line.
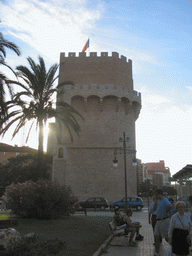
point(35, 102)
point(5, 44)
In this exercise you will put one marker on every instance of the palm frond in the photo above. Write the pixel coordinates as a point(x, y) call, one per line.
point(50, 77)
point(7, 126)
point(35, 102)
point(27, 76)
point(29, 131)
point(7, 44)
point(22, 122)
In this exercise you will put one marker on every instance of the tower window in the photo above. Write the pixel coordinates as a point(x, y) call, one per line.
point(60, 153)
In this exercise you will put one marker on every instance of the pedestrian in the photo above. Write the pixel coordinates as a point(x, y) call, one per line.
point(179, 230)
point(162, 218)
point(190, 202)
point(173, 209)
point(190, 212)
point(152, 216)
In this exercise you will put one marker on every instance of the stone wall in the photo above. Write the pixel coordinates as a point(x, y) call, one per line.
point(103, 94)
point(93, 69)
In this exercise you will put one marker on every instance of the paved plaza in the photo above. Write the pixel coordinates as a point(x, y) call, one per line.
point(118, 245)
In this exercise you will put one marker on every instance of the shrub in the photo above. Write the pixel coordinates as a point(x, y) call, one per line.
point(41, 199)
point(34, 245)
point(24, 167)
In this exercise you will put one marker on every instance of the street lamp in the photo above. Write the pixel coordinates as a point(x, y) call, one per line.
point(115, 161)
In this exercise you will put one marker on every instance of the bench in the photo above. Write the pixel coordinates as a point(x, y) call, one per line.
point(117, 230)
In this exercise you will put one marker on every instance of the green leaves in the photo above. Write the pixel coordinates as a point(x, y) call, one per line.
point(41, 199)
point(4, 44)
point(35, 101)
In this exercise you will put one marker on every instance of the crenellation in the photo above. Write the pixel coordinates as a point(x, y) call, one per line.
point(123, 58)
point(62, 55)
point(72, 54)
point(93, 54)
point(104, 54)
point(115, 55)
point(82, 54)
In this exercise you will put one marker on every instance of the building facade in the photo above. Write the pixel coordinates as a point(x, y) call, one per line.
point(8, 151)
point(158, 174)
point(103, 94)
point(183, 181)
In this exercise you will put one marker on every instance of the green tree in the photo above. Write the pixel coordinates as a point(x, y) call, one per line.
point(35, 102)
point(170, 190)
point(24, 168)
point(4, 45)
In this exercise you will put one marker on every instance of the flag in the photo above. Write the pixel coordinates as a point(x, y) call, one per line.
point(86, 46)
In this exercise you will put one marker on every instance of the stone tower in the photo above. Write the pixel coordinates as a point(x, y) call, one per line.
point(103, 94)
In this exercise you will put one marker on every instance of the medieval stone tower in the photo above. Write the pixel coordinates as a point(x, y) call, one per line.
point(103, 94)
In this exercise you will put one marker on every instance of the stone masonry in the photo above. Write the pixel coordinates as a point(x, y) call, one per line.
point(103, 94)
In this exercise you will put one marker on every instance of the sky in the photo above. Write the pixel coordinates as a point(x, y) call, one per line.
point(155, 34)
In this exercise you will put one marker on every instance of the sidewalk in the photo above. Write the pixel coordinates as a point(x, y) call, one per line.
point(118, 245)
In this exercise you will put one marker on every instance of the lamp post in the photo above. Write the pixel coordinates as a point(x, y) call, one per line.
point(129, 151)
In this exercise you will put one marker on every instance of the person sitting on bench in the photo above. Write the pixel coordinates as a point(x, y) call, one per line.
point(132, 227)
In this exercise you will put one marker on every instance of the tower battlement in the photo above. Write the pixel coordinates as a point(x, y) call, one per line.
point(96, 69)
point(115, 55)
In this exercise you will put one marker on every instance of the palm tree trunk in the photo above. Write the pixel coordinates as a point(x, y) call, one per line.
point(40, 146)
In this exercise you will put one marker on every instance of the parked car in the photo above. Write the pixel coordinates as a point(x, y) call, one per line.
point(133, 202)
point(94, 202)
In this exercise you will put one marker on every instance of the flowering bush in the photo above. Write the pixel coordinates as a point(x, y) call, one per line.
point(41, 199)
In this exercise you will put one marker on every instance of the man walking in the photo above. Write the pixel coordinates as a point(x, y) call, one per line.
point(163, 220)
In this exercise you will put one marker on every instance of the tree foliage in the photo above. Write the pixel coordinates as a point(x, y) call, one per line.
point(41, 199)
point(24, 168)
point(35, 102)
point(4, 45)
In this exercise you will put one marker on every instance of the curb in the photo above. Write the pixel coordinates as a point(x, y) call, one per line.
point(103, 246)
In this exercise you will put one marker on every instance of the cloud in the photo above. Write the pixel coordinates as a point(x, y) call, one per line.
point(155, 100)
point(163, 132)
point(189, 88)
point(50, 27)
